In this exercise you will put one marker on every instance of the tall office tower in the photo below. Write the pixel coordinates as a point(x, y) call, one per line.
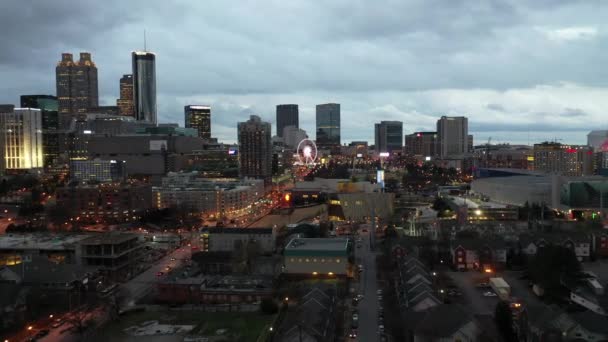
point(125, 102)
point(255, 149)
point(287, 115)
point(453, 133)
point(328, 125)
point(144, 85)
point(76, 84)
point(567, 160)
point(20, 138)
point(389, 136)
point(198, 117)
point(421, 144)
point(48, 105)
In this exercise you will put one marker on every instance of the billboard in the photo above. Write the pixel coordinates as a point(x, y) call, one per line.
point(380, 178)
point(157, 145)
point(384, 154)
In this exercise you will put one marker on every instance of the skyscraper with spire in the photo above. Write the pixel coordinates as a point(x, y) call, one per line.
point(144, 85)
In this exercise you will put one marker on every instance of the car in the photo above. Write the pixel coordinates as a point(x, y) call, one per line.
point(489, 294)
point(355, 316)
point(379, 298)
point(352, 333)
point(379, 292)
point(159, 274)
point(381, 328)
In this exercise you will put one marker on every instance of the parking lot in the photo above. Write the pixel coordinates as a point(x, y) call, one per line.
point(472, 296)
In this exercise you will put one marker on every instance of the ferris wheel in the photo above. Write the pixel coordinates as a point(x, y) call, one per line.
point(307, 152)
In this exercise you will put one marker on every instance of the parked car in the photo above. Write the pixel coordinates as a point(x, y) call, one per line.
point(352, 333)
point(489, 294)
point(379, 292)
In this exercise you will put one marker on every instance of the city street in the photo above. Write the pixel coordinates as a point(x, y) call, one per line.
point(368, 307)
point(139, 286)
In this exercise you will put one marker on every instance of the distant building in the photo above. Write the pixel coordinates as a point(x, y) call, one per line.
point(144, 86)
point(598, 140)
point(104, 171)
point(215, 198)
point(292, 136)
point(48, 105)
point(504, 156)
point(287, 115)
point(76, 83)
point(111, 201)
point(125, 103)
point(567, 160)
point(228, 239)
point(255, 148)
point(168, 130)
point(198, 117)
point(453, 134)
point(389, 136)
point(149, 155)
point(318, 257)
point(423, 144)
point(109, 110)
point(328, 125)
point(214, 160)
point(20, 138)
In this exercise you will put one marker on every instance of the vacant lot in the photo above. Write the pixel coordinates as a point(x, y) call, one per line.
point(238, 326)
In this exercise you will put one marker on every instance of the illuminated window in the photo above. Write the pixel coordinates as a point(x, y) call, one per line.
point(334, 202)
point(292, 259)
point(307, 260)
point(337, 260)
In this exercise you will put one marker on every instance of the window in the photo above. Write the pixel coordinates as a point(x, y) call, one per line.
point(307, 260)
point(338, 260)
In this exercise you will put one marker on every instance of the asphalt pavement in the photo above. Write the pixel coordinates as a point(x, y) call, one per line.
point(368, 307)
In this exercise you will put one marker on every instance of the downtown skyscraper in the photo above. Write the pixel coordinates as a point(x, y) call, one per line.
point(20, 138)
point(48, 106)
point(328, 125)
point(125, 104)
point(144, 85)
point(287, 115)
point(388, 136)
point(199, 117)
point(255, 149)
point(453, 134)
point(76, 83)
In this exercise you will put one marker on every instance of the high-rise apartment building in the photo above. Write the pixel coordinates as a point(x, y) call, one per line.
point(453, 133)
point(48, 106)
point(389, 136)
point(567, 160)
point(255, 149)
point(421, 144)
point(144, 85)
point(287, 115)
point(198, 117)
point(76, 83)
point(20, 138)
point(328, 125)
point(125, 103)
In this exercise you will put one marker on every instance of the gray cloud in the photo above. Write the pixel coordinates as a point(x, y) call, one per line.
point(390, 60)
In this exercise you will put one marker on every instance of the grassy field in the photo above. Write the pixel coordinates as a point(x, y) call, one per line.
point(239, 326)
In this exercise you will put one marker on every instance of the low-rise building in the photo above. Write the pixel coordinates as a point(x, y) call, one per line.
point(115, 254)
point(204, 289)
point(318, 257)
point(211, 197)
point(104, 171)
point(227, 239)
point(111, 201)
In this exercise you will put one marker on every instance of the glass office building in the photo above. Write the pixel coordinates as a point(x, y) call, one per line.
point(328, 125)
point(144, 85)
point(198, 117)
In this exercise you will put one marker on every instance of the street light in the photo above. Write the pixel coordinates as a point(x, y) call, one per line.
point(30, 327)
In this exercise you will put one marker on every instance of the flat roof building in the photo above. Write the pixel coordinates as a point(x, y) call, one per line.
point(317, 257)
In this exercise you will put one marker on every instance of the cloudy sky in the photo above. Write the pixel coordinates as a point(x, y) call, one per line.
point(522, 71)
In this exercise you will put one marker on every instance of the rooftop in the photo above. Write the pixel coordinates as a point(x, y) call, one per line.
point(41, 241)
point(228, 230)
point(109, 238)
point(304, 246)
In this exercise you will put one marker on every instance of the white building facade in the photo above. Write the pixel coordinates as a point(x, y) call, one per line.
point(21, 138)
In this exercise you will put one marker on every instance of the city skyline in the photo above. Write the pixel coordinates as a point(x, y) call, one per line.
point(530, 67)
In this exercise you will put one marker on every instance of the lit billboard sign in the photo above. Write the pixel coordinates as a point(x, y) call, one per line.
point(384, 154)
point(380, 178)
